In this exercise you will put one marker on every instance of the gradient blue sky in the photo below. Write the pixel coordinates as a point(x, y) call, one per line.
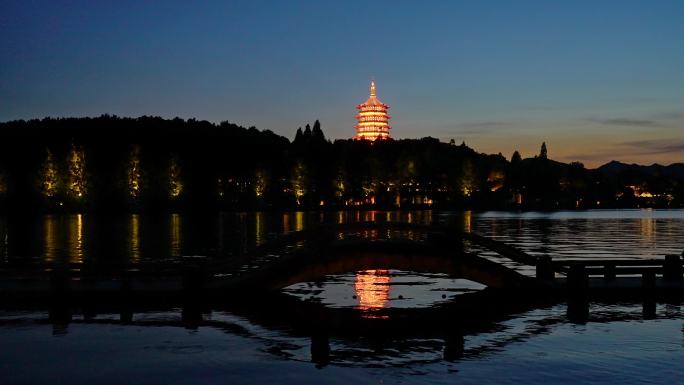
point(596, 80)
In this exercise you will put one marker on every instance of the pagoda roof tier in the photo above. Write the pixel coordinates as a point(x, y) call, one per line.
point(358, 117)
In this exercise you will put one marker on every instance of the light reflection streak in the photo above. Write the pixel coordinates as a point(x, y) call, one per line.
point(49, 237)
point(648, 230)
point(259, 228)
point(76, 239)
point(175, 235)
point(134, 238)
point(299, 221)
point(286, 223)
point(340, 217)
point(372, 291)
point(468, 221)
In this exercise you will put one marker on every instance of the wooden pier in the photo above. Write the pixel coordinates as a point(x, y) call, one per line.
point(333, 249)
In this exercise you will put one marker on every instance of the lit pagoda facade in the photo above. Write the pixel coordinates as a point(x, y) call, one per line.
point(373, 121)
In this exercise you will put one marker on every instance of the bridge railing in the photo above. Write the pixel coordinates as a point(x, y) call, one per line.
point(578, 272)
point(669, 267)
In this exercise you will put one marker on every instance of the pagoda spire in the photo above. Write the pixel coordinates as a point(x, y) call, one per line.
point(372, 88)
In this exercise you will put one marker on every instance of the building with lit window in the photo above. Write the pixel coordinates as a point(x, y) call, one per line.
point(373, 121)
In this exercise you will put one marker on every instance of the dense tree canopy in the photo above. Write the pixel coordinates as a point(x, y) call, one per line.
point(150, 163)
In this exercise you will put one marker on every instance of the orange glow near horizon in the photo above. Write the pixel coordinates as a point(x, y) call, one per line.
point(372, 290)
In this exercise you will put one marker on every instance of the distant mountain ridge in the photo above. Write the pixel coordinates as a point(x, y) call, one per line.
point(613, 168)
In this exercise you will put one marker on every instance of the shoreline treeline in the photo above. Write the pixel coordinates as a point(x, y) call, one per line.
point(149, 163)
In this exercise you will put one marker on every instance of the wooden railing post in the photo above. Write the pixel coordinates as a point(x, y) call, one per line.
point(672, 268)
point(577, 278)
point(648, 281)
point(609, 271)
point(60, 282)
point(192, 279)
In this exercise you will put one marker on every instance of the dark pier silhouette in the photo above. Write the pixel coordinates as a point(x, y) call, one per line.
point(310, 255)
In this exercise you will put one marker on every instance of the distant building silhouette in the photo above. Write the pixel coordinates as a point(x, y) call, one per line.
point(373, 121)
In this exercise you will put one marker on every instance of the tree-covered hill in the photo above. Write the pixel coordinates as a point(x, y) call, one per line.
point(110, 163)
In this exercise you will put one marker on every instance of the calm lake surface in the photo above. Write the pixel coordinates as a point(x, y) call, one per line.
point(617, 343)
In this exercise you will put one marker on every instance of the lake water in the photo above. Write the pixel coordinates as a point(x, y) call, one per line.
point(616, 343)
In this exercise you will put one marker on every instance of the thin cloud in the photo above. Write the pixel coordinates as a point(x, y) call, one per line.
point(595, 156)
point(626, 122)
point(671, 115)
point(630, 150)
point(662, 146)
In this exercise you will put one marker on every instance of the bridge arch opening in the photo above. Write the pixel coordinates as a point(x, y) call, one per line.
point(312, 268)
point(373, 290)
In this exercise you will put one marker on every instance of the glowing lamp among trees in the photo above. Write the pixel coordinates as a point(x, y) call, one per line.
point(77, 174)
point(299, 181)
point(134, 173)
point(49, 179)
point(175, 183)
point(260, 183)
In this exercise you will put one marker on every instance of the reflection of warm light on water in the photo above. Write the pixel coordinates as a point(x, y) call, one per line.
point(428, 217)
point(286, 223)
point(648, 230)
point(340, 217)
point(369, 216)
point(259, 229)
point(49, 229)
point(299, 221)
point(175, 235)
point(372, 289)
point(468, 221)
point(134, 238)
point(76, 252)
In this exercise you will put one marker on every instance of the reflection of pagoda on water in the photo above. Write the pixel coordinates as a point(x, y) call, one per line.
point(372, 289)
point(373, 121)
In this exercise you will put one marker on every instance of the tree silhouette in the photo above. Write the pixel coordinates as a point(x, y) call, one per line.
point(317, 132)
point(543, 153)
point(299, 136)
point(516, 158)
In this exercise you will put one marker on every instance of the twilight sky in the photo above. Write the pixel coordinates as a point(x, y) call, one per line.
point(597, 80)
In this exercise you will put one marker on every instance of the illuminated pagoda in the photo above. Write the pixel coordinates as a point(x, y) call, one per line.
point(373, 121)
